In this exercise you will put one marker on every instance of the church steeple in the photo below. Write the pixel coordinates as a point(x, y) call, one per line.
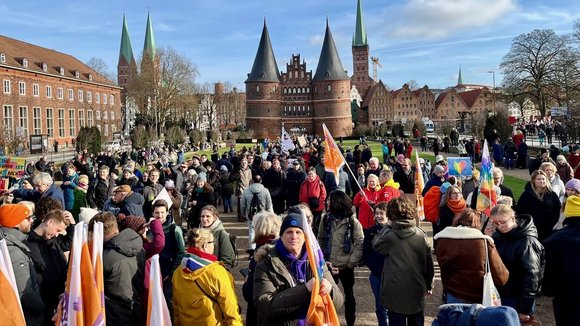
point(329, 65)
point(360, 34)
point(459, 78)
point(126, 50)
point(149, 45)
point(265, 68)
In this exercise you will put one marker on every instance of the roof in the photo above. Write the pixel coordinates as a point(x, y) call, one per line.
point(126, 50)
point(469, 97)
point(265, 68)
point(329, 65)
point(16, 51)
point(371, 93)
point(149, 45)
point(440, 99)
point(360, 34)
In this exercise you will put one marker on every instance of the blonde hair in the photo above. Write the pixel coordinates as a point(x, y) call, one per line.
point(30, 205)
point(266, 224)
point(544, 165)
point(199, 237)
point(539, 193)
point(83, 178)
point(503, 209)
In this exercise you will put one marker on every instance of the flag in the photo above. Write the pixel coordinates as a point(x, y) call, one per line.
point(81, 303)
point(163, 194)
point(333, 159)
point(287, 143)
point(10, 306)
point(487, 197)
point(97, 263)
point(419, 185)
point(157, 312)
point(321, 310)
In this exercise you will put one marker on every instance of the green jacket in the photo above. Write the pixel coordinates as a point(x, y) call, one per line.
point(338, 228)
point(80, 201)
point(222, 248)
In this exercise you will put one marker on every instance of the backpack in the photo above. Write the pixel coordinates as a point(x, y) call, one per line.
point(255, 206)
point(233, 243)
point(431, 202)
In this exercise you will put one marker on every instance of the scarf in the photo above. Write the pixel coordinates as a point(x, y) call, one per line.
point(456, 205)
point(262, 240)
point(297, 268)
point(196, 259)
point(392, 183)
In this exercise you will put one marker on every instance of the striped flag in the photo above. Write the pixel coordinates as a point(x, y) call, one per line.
point(333, 159)
point(97, 263)
point(321, 311)
point(157, 312)
point(487, 197)
point(419, 185)
point(10, 308)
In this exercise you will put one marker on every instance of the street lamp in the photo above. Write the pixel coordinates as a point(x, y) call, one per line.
point(493, 90)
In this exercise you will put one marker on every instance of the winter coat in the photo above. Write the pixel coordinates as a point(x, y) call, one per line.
point(222, 247)
point(204, 295)
point(565, 172)
point(123, 268)
point(243, 180)
point(99, 191)
point(25, 275)
point(80, 201)
point(523, 255)
point(248, 286)
point(461, 255)
point(275, 181)
point(294, 180)
point(68, 190)
point(545, 212)
point(226, 184)
point(313, 188)
point(263, 197)
point(175, 205)
point(155, 245)
point(53, 192)
point(206, 197)
point(408, 269)
point(331, 236)
point(406, 180)
point(365, 212)
point(372, 259)
point(132, 182)
point(277, 296)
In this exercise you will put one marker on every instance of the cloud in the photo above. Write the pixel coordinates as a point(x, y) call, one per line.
point(316, 40)
point(163, 27)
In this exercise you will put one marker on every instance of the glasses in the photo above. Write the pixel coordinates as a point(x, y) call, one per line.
point(210, 242)
point(455, 193)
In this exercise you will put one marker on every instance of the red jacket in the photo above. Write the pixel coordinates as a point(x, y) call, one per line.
point(366, 215)
point(387, 193)
point(409, 150)
point(314, 188)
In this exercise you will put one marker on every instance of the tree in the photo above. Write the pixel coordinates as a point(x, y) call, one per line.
point(101, 67)
point(140, 136)
point(88, 138)
point(413, 85)
point(174, 136)
point(195, 137)
point(565, 81)
point(531, 62)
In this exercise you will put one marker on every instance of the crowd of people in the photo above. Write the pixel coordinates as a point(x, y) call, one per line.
point(158, 201)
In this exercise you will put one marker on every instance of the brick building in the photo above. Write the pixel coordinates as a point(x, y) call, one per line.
point(45, 92)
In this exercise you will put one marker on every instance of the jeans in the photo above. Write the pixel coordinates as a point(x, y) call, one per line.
point(251, 244)
point(228, 204)
point(396, 319)
point(379, 309)
point(346, 277)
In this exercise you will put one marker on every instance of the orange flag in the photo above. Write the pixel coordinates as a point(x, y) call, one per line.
point(333, 159)
point(419, 185)
point(10, 308)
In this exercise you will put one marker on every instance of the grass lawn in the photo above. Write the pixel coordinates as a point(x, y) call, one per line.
point(516, 185)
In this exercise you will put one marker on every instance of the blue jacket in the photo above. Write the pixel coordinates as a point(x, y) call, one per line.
point(68, 191)
point(373, 259)
point(53, 192)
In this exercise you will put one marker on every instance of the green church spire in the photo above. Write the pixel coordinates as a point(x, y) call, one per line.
point(360, 34)
point(126, 50)
point(149, 46)
point(459, 78)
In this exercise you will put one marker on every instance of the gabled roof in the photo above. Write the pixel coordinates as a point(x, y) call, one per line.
point(440, 99)
point(15, 51)
point(469, 97)
point(360, 34)
point(329, 65)
point(396, 92)
point(126, 50)
point(265, 68)
point(371, 93)
point(149, 45)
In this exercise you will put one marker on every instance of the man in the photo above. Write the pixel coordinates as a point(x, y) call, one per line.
point(243, 178)
point(374, 167)
point(124, 201)
point(389, 188)
point(150, 192)
point(256, 189)
point(43, 187)
point(100, 189)
point(275, 181)
point(47, 248)
point(295, 176)
point(405, 177)
point(196, 165)
point(123, 270)
point(15, 224)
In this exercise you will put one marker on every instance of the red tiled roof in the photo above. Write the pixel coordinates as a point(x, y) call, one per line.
point(440, 99)
point(396, 92)
point(469, 97)
point(15, 51)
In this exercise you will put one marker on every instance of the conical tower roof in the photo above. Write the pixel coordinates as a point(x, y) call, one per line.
point(149, 45)
point(459, 78)
point(360, 34)
point(265, 68)
point(329, 64)
point(126, 50)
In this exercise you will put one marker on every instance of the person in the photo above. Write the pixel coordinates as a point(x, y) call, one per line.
point(69, 184)
point(554, 179)
point(498, 179)
point(203, 290)
point(223, 250)
point(44, 186)
point(539, 201)
point(562, 257)
point(437, 178)
point(283, 281)
point(100, 189)
point(452, 204)
point(516, 240)
point(202, 195)
point(461, 254)
point(374, 167)
point(295, 177)
point(124, 201)
point(313, 193)
point(123, 269)
point(365, 199)
point(564, 169)
point(150, 191)
point(375, 261)
point(341, 238)
point(405, 177)
point(226, 188)
point(408, 266)
point(176, 201)
point(275, 181)
point(243, 178)
point(263, 202)
point(128, 178)
point(80, 196)
point(267, 229)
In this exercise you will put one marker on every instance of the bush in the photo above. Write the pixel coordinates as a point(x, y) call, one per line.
point(174, 136)
point(361, 130)
point(88, 138)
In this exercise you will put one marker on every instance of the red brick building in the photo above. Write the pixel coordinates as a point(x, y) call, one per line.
point(45, 92)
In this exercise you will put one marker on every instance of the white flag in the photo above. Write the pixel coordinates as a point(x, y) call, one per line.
point(157, 312)
point(163, 194)
point(287, 143)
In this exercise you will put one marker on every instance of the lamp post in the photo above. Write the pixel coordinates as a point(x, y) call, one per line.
point(493, 90)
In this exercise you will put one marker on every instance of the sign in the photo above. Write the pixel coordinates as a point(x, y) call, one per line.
point(460, 166)
point(302, 141)
point(36, 144)
point(12, 166)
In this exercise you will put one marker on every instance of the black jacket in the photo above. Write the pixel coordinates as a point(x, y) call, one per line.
point(294, 179)
point(545, 212)
point(99, 191)
point(523, 255)
point(406, 181)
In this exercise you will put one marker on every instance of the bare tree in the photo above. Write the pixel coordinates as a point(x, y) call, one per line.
point(564, 83)
point(101, 67)
point(413, 85)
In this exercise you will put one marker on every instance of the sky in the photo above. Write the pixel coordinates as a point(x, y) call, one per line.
point(422, 40)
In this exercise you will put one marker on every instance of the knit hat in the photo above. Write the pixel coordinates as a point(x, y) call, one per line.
point(202, 176)
point(223, 168)
point(293, 220)
point(438, 169)
point(572, 206)
point(573, 184)
point(12, 214)
point(444, 187)
point(169, 184)
point(131, 221)
point(87, 214)
point(439, 158)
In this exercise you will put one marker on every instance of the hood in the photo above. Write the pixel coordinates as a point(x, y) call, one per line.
point(391, 183)
point(217, 226)
point(525, 227)
point(262, 252)
point(404, 229)
point(128, 243)
point(134, 198)
point(256, 187)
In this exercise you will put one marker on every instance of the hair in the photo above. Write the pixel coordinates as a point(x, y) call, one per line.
point(301, 207)
point(43, 178)
point(339, 204)
point(266, 224)
point(212, 209)
point(256, 178)
point(374, 159)
point(561, 158)
point(45, 205)
point(154, 170)
point(109, 222)
point(544, 165)
point(468, 217)
point(198, 237)
point(57, 215)
point(498, 171)
point(382, 206)
point(160, 203)
point(312, 169)
point(503, 209)
point(83, 178)
point(401, 208)
point(386, 173)
point(445, 197)
point(360, 166)
point(373, 176)
point(539, 192)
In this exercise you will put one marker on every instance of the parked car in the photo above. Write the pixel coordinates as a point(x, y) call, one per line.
point(114, 145)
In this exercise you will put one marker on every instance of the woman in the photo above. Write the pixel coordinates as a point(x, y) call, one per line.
point(554, 179)
point(176, 200)
point(360, 178)
point(313, 194)
point(539, 201)
point(366, 199)
point(516, 241)
point(222, 248)
point(201, 195)
point(564, 169)
point(203, 290)
point(375, 261)
point(69, 184)
point(341, 238)
point(452, 204)
point(80, 196)
point(461, 255)
point(266, 232)
point(283, 279)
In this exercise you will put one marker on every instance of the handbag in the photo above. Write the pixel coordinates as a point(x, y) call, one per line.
point(490, 294)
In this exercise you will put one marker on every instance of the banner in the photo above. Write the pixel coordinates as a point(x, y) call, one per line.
point(12, 166)
point(419, 185)
point(487, 197)
point(333, 159)
point(157, 312)
point(10, 308)
point(460, 166)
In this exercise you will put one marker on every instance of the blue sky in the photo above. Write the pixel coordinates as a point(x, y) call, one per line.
point(422, 40)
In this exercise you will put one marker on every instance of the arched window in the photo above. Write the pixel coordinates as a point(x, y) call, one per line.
point(257, 88)
point(307, 90)
point(25, 63)
point(329, 88)
point(285, 90)
point(2, 58)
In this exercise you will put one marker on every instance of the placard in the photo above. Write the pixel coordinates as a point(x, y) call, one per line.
point(12, 166)
point(460, 166)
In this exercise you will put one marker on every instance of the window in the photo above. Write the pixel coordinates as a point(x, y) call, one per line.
point(22, 88)
point(2, 58)
point(80, 96)
point(106, 132)
point(61, 122)
point(89, 97)
point(61, 70)
point(112, 115)
point(8, 121)
point(60, 93)
point(105, 115)
point(7, 88)
point(36, 121)
point(25, 63)
point(329, 88)
point(71, 95)
point(71, 123)
point(104, 98)
point(23, 120)
point(81, 118)
point(35, 90)
point(97, 98)
point(91, 77)
point(49, 122)
point(44, 67)
point(112, 98)
point(89, 118)
point(48, 91)
point(77, 75)
point(98, 115)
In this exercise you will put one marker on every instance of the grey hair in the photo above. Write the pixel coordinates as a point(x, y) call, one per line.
point(43, 178)
point(497, 170)
point(374, 159)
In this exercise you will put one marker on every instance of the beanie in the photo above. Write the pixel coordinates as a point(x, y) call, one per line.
point(444, 187)
point(202, 176)
point(169, 184)
point(572, 206)
point(573, 184)
point(439, 158)
point(223, 168)
point(12, 214)
point(294, 220)
point(87, 214)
